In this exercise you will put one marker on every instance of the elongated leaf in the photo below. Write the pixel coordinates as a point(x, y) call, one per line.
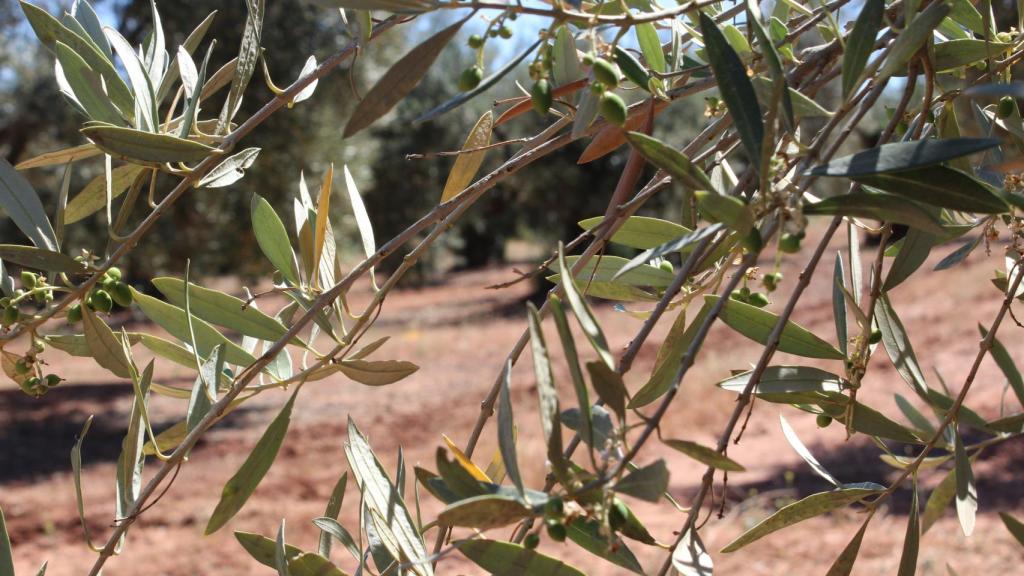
point(139, 78)
point(230, 170)
point(669, 358)
point(21, 203)
point(898, 347)
point(330, 527)
point(757, 324)
point(939, 500)
point(376, 372)
point(547, 396)
point(735, 88)
point(910, 40)
point(705, 455)
point(1016, 527)
point(912, 541)
point(843, 564)
point(244, 482)
point(63, 156)
point(641, 232)
point(607, 269)
point(647, 483)
point(299, 563)
point(380, 495)
point(728, 210)
point(6, 557)
point(508, 559)
point(939, 186)
point(899, 156)
point(145, 147)
point(468, 163)
point(774, 62)
point(105, 348)
point(485, 512)
point(585, 317)
point(809, 507)
point(679, 244)
point(1005, 362)
point(272, 237)
point(506, 430)
point(87, 86)
point(248, 55)
point(861, 44)
point(174, 320)
point(804, 453)
point(690, 558)
point(93, 196)
point(966, 491)
point(587, 534)
point(878, 206)
point(399, 80)
point(49, 30)
point(957, 53)
point(670, 160)
point(915, 249)
point(650, 46)
point(609, 387)
point(222, 309)
point(839, 303)
point(40, 259)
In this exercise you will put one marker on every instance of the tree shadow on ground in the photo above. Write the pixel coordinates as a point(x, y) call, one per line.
point(997, 474)
point(37, 434)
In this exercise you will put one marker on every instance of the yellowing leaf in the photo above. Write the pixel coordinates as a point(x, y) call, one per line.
point(464, 460)
point(467, 164)
point(323, 215)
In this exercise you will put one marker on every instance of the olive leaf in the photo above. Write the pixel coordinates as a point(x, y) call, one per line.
point(861, 44)
point(508, 559)
point(468, 163)
point(399, 80)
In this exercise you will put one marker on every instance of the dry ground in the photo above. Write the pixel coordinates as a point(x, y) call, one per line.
point(459, 334)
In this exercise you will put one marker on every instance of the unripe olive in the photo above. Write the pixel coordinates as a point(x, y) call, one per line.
point(47, 296)
point(875, 337)
point(588, 59)
point(492, 33)
point(666, 266)
point(556, 531)
point(618, 515)
point(772, 281)
point(1005, 107)
point(606, 73)
point(823, 420)
point(612, 108)
point(470, 78)
point(475, 41)
point(789, 243)
point(52, 380)
point(758, 299)
point(745, 293)
point(101, 301)
point(505, 32)
point(28, 279)
point(554, 508)
point(597, 87)
point(10, 315)
point(122, 294)
point(531, 541)
point(34, 382)
point(541, 97)
point(113, 273)
point(738, 296)
point(75, 314)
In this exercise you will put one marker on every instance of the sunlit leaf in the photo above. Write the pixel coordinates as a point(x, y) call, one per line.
point(705, 455)
point(468, 163)
point(230, 170)
point(647, 483)
point(508, 559)
point(145, 147)
point(757, 324)
point(40, 259)
point(966, 491)
point(376, 372)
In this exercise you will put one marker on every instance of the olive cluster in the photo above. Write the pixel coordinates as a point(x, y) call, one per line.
point(110, 290)
point(606, 79)
point(744, 295)
point(471, 77)
point(29, 374)
point(34, 288)
point(556, 518)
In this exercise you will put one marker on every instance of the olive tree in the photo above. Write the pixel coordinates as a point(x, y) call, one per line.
point(785, 83)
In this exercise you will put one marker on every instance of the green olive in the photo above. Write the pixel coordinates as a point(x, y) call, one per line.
point(75, 314)
point(666, 266)
point(759, 299)
point(541, 96)
point(10, 315)
point(122, 295)
point(531, 541)
point(505, 32)
point(1005, 107)
point(554, 508)
point(738, 296)
point(875, 337)
point(556, 531)
point(101, 301)
point(612, 108)
point(606, 73)
point(823, 420)
point(113, 273)
point(52, 380)
point(771, 281)
point(29, 279)
point(470, 78)
point(475, 41)
point(789, 243)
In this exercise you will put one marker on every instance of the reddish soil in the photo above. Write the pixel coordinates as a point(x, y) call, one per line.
point(459, 333)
